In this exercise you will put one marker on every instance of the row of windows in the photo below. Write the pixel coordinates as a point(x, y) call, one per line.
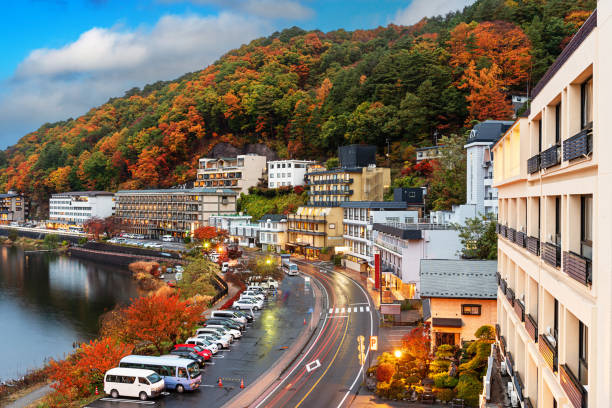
point(282, 165)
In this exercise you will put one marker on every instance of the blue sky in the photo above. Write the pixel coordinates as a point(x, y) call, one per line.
point(62, 57)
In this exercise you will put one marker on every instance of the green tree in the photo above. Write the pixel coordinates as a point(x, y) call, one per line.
point(332, 163)
point(51, 241)
point(478, 237)
point(447, 186)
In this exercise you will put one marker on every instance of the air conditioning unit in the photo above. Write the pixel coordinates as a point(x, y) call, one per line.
point(510, 388)
point(503, 368)
point(549, 331)
point(514, 400)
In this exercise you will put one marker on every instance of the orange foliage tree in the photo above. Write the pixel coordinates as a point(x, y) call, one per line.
point(209, 233)
point(486, 99)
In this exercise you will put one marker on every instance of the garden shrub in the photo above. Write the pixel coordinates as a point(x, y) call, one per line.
point(485, 332)
point(397, 390)
point(443, 380)
point(385, 372)
point(445, 395)
point(469, 389)
point(382, 389)
point(439, 366)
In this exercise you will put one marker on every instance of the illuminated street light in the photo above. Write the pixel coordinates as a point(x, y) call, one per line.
point(268, 261)
point(206, 244)
point(398, 353)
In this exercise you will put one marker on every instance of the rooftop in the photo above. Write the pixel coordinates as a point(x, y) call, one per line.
point(488, 131)
point(420, 149)
point(197, 190)
point(83, 193)
point(392, 205)
point(273, 217)
point(9, 195)
point(463, 279)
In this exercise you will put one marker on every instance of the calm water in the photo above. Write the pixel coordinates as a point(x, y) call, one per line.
point(47, 302)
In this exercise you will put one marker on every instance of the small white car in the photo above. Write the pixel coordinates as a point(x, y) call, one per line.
point(167, 238)
point(236, 334)
point(247, 304)
point(204, 343)
point(229, 314)
point(133, 382)
point(224, 267)
point(221, 342)
point(223, 335)
point(253, 294)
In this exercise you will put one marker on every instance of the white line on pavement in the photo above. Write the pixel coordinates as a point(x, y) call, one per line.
point(367, 308)
point(361, 308)
point(331, 310)
point(342, 310)
point(337, 310)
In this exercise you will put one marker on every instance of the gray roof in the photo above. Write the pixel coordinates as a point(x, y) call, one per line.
point(458, 278)
point(488, 131)
point(273, 217)
point(84, 193)
point(393, 205)
point(203, 190)
point(10, 195)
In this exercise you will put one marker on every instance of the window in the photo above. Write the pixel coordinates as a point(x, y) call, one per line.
point(586, 226)
point(142, 380)
point(472, 310)
point(583, 354)
point(586, 103)
point(182, 372)
point(557, 237)
point(558, 123)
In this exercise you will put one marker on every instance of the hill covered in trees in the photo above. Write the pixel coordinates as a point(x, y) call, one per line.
point(303, 94)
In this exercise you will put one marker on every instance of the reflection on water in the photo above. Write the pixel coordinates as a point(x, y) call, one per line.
point(47, 302)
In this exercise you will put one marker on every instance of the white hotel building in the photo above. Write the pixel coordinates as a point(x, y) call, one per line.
point(287, 173)
point(74, 208)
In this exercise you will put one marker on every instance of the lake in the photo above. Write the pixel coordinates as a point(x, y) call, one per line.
point(48, 302)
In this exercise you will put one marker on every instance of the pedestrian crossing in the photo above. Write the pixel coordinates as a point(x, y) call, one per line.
point(348, 309)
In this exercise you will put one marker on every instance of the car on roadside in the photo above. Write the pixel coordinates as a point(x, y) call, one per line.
point(228, 314)
point(246, 315)
point(255, 299)
point(247, 304)
point(133, 382)
point(254, 294)
point(235, 333)
point(200, 351)
point(212, 347)
point(167, 238)
point(228, 322)
point(224, 338)
point(187, 354)
point(264, 283)
point(224, 267)
point(221, 342)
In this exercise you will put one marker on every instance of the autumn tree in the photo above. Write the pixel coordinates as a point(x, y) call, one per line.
point(94, 226)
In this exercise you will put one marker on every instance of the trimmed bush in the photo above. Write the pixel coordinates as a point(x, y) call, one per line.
point(385, 372)
point(443, 380)
point(445, 395)
point(469, 389)
point(485, 332)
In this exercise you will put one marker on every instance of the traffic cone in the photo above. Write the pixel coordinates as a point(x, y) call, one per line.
point(304, 320)
point(241, 383)
point(97, 393)
point(220, 383)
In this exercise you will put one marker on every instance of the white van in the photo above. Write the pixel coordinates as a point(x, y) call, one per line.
point(228, 314)
point(133, 382)
point(264, 283)
point(167, 238)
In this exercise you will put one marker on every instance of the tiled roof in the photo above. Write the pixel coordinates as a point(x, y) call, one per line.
point(84, 193)
point(273, 217)
point(374, 204)
point(464, 279)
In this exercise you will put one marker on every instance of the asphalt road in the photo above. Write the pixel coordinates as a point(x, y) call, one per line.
point(329, 373)
point(274, 328)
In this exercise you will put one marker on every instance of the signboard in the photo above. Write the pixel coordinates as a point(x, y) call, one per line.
point(377, 271)
point(373, 343)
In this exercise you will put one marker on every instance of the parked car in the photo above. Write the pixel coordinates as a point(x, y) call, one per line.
point(254, 294)
point(188, 354)
point(257, 289)
point(247, 316)
point(200, 351)
point(234, 332)
point(133, 382)
point(224, 338)
point(215, 338)
point(224, 267)
point(264, 283)
point(255, 299)
point(246, 304)
point(167, 238)
point(228, 314)
point(232, 324)
point(212, 347)
point(178, 276)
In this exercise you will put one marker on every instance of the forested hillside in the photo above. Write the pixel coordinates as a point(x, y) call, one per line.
point(303, 94)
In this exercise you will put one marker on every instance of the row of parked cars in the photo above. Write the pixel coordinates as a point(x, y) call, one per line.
point(146, 377)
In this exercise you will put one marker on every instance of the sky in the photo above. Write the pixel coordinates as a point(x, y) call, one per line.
point(63, 57)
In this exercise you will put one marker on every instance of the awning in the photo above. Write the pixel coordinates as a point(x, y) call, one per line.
point(446, 322)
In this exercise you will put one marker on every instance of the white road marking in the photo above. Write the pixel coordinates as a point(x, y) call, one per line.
point(128, 400)
point(361, 308)
point(337, 310)
point(342, 310)
point(331, 310)
point(313, 365)
point(367, 308)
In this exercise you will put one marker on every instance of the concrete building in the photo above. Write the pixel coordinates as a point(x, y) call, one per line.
point(242, 231)
point(459, 297)
point(358, 220)
point(273, 232)
point(174, 211)
point(287, 173)
point(13, 208)
point(402, 246)
point(74, 208)
point(319, 224)
point(429, 153)
point(237, 174)
point(555, 239)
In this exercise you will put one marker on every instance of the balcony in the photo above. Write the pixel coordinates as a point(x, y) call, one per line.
point(503, 285)
point(510, 296)
point(533, 164)
point(520, 239)
point(497, 331)
point(532, 327)
point(519, 309)
point(548, 352)
point(550, 157)
point(511, 233)
point(502, 345)
point(551, 254)
point(533, 245)
point(579, 145)
point(499, 278)
point(504, 231)
point(518, 384)
point(577, 267)
point(497, 228)
point(572, 387)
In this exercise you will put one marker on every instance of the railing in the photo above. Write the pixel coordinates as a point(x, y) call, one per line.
point(533, 245)
point(532, 327)
point(511, 233)
point(519, 308)
point(577, 267)
point(497, 331)
point(503, 285)
point(551, 254)
point(510, 363)
point(579, 145)
point(527, 403)
point(550, 157)
point(497, 228)
point(520, 239)
point(533, 164)
point(502, 344)
point(510, 296)
point(518, 384)
point(572, 387)
point(549, 352)
point(504, 231)
point(499, 278)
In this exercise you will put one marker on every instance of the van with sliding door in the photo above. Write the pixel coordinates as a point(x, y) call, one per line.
point(133, 382)
point(179, 374)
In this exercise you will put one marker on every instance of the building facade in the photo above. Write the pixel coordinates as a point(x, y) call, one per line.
point(242, 231)
point(429, 153)
point(176, 212)
point(75, 208)
point(273, 232)
point(237, 174)
point(554, 303)
point(287, 173)
point(13, 208)
point(460, 296)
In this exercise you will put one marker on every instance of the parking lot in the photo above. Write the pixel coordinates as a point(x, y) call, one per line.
point(263, 342)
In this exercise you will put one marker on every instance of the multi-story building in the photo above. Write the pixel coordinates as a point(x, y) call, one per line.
point(237, 174)
point(13, 208)
point(74, 208)
point(554, 303)
point(480, 192)
point(287, 173)
point(319, 224)
point(429, 153)
point(273, 232)
point(358, 219)
point(174, 211)
point(242, 231)
point(402, 246)
point(459, 296)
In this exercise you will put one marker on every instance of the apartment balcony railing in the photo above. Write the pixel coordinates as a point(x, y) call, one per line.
point(572, 387)
point(497, 228)
point(510, 363)
point(551, 254)
point(504, 231)
point(527, 403)
point(504, 286)
point(511, 233)
point(550, 157)
point(579, 145)
point(518, 384)
point(533, 245)
point(519, 309)
point(548, 352)
point(533, 164)
point(520, 239)
point(502, 344)
point(499, 278)
point(577, 267)
point(497, 331)
point(510, 296)
point(532, 327)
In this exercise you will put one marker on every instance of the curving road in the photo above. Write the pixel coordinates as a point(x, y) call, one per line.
point(328, 373)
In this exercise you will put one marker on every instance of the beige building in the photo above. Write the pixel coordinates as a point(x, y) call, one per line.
point(238, 173)
point(176, 212)
point(273, 232)
point(555, 245)
point(13, 208)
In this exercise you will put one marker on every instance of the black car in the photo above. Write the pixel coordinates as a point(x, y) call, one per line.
point(232, 324)
point(247, 316)
point(190, 355)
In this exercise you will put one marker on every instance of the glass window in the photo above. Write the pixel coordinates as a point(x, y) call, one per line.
point(182, 372)
point(586, 226)
point(128, 380)
point(143, 380)
point(473, 310)
point(583, 354)
point(154, 378)
point(558, 123)
point(586, 108)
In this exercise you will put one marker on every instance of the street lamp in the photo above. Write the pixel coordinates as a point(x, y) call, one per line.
point(398, 353)
point(268, 261)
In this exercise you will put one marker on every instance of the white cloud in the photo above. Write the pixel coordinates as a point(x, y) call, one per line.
point(428, 8)
point(273, 9)
point(54, 84)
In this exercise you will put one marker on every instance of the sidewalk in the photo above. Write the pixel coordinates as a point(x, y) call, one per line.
point(31, 397)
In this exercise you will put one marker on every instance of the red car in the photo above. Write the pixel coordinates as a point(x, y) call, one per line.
point(196, 349)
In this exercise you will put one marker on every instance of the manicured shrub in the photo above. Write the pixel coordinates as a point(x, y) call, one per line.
point(443, 380)
point(485, 332)
point(445, 394)
point(385, 372)
point(469, 389)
